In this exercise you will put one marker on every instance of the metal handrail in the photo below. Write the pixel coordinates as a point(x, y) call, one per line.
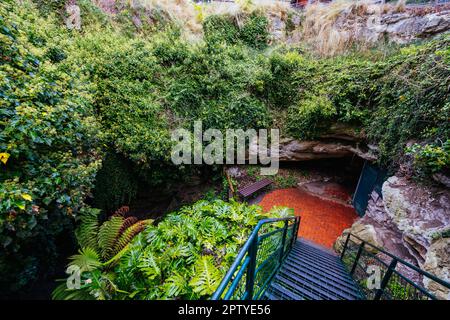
point(246, 259)
point(391, 267)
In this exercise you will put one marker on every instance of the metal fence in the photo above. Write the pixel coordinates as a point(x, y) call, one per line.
point(398, 279)
point(259, 260)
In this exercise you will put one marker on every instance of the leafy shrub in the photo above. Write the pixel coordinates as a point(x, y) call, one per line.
point(50, 6)
point(430, 158)
point(254, 32)
point(116, 184)
point(220, 28)
point(311, 117)
point(185, 256)
point(225, 29)
point(48, 145)
point(416, 106)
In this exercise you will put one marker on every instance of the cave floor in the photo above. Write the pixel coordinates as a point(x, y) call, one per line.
point(322, 208)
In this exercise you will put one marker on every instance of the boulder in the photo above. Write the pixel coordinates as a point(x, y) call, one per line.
point(366, 232)
point(73, 17)
point(437, 262)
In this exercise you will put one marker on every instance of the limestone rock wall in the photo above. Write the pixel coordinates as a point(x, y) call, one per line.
point(398, 27)
point(412, 222)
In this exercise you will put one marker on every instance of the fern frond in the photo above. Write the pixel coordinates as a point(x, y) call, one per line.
point(127, 222)
point(61, 292)
point(121, 212)
point(87, 259)
point(128, 234)
point(207, 276)
point(149, 265)
point(87, 231)
point(107, 236)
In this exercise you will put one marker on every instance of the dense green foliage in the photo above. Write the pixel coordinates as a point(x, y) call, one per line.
point(253, 31)
point(96, 107)
point(102, 246)
point(116, 183)
point(431, 158)
point(48, 145)
point(395, 99)
point(413, 101)
point(185, 255)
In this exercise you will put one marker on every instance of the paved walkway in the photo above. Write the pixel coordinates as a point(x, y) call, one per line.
point(322, 221)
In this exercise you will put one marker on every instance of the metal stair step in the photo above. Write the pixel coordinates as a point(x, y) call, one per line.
point(334, 265)
point(281, 291)
point(342, 278)
point(325, 291)
point(345, 291)
point(313, 245)
point(317, 257)
point(325, 265)
point(294, 257)
point(314, 273)
point(312, 291)
point(317, 252)
point(299, 290)
point(271, 296)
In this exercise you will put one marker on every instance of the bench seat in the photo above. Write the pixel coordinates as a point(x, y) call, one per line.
point(253, 188)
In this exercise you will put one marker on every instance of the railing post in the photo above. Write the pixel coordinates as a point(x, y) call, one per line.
point(295, 231)
point(345, 246)
point(386, 278)
point(283, 241)
point(360, 249)
point(250, 281)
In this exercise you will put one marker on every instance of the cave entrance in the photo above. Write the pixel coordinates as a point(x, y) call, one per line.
point(350, 179)
point(333, 177)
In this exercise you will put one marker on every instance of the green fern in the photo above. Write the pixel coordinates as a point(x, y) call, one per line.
point(87, 259)
point(107, 235)
point(207, 276)
point(149, 265)
point(176, 285)
point(87, 231)
point(101, 247)
point(61, 292)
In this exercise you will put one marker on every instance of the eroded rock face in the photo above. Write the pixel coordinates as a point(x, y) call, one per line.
point(437, 262)
point(73, 18)
point(399, 27)
point(296, 150)
point(407, 221)
point(418, 212)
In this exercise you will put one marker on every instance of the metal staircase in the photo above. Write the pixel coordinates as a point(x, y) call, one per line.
point(274, 264)
point(311, 272)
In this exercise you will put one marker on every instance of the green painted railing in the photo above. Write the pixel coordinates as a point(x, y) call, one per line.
point(398, 279)
point(259, 259)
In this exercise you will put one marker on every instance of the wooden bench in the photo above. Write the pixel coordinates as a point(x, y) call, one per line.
point(254, 187)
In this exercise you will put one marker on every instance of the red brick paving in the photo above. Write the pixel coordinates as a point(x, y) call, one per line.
point(322, 221)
